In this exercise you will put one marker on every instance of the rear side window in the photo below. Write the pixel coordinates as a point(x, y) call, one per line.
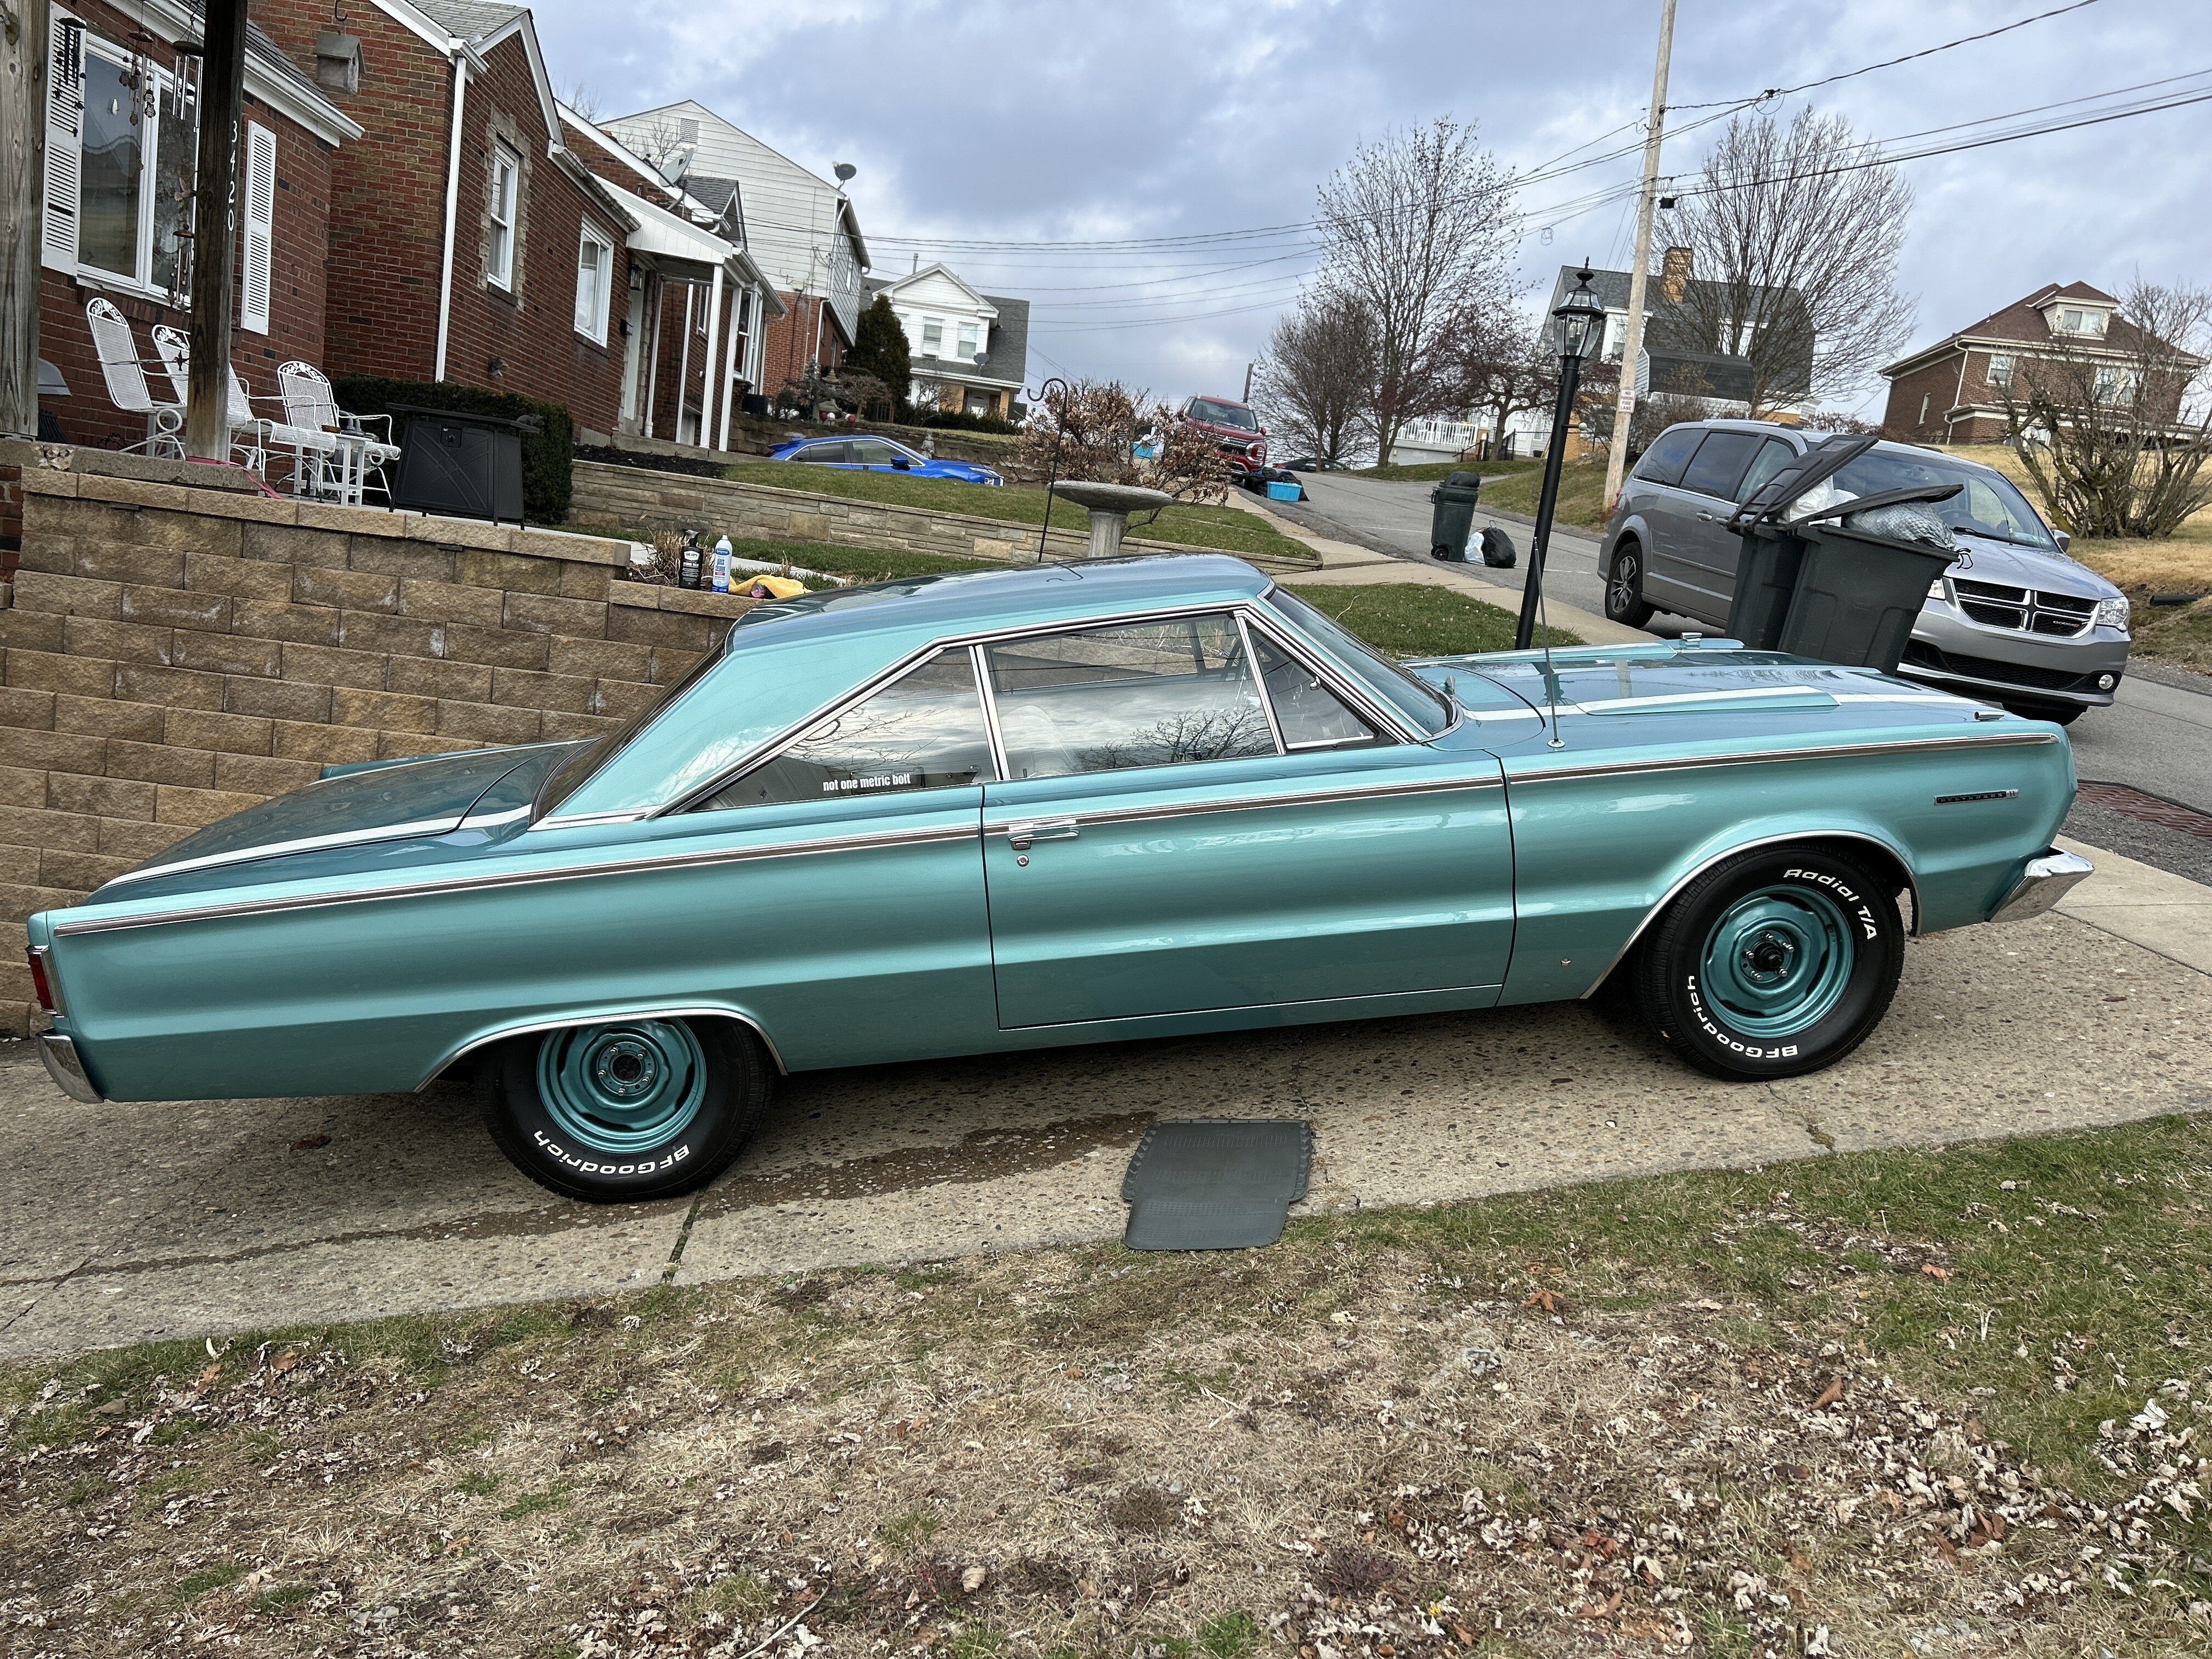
point(1773, 456)
point(1663, 462)
point(923, 730)
point(1145, 694)
point(831, 452)
point(1719, 463)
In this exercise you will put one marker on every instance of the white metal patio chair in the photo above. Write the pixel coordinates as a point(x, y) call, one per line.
point(309, 402)
point(126, 381)
point(252, 436)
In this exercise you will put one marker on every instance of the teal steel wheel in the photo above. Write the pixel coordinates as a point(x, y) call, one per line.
point(1777, 961)
point(622, 1088)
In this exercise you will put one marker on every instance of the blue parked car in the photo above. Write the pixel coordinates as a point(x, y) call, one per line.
point(1048, 805)
point(876, 454)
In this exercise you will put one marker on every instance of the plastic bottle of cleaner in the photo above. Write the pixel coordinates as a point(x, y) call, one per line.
point(722, 565)
point(687, 571)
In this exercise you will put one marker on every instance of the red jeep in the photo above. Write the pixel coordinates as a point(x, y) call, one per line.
point(1235, 429)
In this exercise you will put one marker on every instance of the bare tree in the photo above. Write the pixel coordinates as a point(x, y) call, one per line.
point(1315, 384)
point(1416, 230)
point(2115, 429)
point(1500, 366)
point(1793, 246)
point(1090, 429)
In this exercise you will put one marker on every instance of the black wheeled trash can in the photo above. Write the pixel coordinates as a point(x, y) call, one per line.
point(459, 465)
point(1451, 516)
point(1858, 594)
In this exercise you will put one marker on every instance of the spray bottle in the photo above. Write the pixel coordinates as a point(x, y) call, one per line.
point(687, 569)
point(722, 565)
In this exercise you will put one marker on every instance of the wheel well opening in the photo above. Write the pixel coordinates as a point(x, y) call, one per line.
point(1886, 863)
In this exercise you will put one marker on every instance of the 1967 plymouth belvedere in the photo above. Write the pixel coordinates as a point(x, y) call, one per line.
point(1055, 805)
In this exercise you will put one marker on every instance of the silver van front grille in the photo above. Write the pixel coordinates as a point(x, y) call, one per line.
point(2024, 609)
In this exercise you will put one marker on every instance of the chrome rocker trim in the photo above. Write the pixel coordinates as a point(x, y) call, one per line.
point(2045, 881)
point(67, 1069)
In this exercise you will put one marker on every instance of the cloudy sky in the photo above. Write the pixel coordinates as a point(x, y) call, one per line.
point(1052, 124)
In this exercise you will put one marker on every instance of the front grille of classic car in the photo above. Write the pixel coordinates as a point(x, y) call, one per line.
point(2024, 609)
point(1988, 668)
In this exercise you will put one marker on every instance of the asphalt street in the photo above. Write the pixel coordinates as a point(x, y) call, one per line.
point(2156, 737)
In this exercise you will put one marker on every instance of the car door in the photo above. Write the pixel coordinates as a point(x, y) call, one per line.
point(1704, 549)
point(1660, 502)
point(1171, 837)
point(877, 455)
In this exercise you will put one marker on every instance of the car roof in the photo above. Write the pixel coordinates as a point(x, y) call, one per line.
point(1813, 435)
point(785, 662)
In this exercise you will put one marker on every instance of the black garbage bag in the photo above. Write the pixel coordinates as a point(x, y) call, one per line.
point(1498, 548)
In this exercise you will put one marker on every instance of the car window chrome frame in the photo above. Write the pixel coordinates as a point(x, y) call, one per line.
point(1389, 731)
point(1369, 706)
point(1260, 682)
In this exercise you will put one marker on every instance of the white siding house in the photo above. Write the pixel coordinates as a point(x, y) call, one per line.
point(800, 229)
point(971, 350)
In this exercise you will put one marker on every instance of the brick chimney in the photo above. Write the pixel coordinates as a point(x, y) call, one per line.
point(1674, 274)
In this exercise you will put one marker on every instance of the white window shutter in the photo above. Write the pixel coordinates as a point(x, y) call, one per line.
point(65, 140)
point(260, 228)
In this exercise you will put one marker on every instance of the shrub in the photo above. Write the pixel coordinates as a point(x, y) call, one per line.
point(959, 420)
point(547, 454)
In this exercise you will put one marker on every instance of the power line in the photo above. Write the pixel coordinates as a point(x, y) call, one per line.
point(1887, 63)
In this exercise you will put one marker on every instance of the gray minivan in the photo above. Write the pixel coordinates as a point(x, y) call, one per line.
point(2014, 621)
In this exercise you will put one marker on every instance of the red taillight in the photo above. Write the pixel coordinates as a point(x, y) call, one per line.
point(39, 980)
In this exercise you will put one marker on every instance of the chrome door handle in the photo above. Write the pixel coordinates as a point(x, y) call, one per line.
point(1020, 835)
point(1707, 518)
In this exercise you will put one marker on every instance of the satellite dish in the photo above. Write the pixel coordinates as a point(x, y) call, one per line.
point(981, 358)
point(677, 163)
point(844, 170)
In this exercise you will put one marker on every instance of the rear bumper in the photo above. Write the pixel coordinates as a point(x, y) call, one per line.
point(65, 1066)
point(2045, 881)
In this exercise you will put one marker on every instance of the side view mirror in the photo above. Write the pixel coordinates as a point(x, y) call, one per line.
point(901, 463)
point(2065, 541)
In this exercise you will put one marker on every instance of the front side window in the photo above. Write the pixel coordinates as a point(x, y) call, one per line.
point(1419, 702)
point(499, 251)
point(1773, 456)
point(875, 452)
point(923, 730)
point(1311, 715)
point(1141, 693)
point(595, 263)
point(134, 171)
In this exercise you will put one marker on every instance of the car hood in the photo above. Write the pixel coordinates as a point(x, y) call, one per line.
point(381, 801)
point(1992, 561)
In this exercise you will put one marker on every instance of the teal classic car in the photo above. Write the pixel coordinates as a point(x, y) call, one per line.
point(1055, 804)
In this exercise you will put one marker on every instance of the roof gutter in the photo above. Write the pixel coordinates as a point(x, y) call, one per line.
point(460, 56)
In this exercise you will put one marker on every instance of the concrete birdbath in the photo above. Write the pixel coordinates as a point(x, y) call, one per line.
point(1111, 506)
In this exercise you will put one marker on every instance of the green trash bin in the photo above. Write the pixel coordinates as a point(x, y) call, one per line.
point(1857, 595)
point(1451, 516)
point(1765, 579)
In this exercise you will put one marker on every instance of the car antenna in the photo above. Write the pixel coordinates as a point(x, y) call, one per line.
point(1551, 680)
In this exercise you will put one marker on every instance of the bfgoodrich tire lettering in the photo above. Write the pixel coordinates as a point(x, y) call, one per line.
point(1774, 963)
point(547, 1133)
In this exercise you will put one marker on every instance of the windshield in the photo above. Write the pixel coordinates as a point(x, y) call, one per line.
point(1419, 702)
point(1214, 414)
point(1987, 506)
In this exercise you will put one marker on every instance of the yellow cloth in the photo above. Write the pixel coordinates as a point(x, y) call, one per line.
point(772, 587)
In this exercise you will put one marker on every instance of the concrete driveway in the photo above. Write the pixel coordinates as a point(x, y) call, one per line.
point(130, 1222)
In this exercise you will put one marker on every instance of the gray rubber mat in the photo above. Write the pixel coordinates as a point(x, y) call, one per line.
point(1215, 1183)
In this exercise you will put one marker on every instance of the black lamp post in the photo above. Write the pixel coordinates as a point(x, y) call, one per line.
point(1578, 330)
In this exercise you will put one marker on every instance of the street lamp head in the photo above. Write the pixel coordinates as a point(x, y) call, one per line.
point(1578, 322)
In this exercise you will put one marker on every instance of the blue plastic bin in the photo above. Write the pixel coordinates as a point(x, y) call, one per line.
point(1284, 492)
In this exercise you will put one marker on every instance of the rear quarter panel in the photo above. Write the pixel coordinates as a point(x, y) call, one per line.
point(1597, 850)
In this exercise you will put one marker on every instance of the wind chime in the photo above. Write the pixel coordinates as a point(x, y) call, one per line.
point(153, 84)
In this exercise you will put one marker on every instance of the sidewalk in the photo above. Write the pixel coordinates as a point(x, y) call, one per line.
point(1343, 563)
point(2147, 907)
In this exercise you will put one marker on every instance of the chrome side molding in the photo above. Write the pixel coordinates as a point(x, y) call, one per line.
point(67, 1068)
point(2045, 881)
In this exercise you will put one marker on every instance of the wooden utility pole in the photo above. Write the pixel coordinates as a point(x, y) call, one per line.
point(23, 211)
point(1631, 346)
point(215, 229)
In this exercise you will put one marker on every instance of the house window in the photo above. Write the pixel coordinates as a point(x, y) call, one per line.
point(969, 349)
point(499, 255)
point(2114, 386)
point(932, 337)
point(134, 171)
point(2077, 319)
point(595, 263)
point(2000, 370)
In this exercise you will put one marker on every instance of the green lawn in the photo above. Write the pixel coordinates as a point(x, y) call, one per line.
point(1414, 619)
point(1225, 528)
point(1431, 471)
point(1581, 494)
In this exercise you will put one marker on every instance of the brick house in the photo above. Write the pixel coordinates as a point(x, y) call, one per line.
point(121, 138)
point(803, 232)
point(697, 307)
point(468, 243)
point(1953, 392)
point(969, 350)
